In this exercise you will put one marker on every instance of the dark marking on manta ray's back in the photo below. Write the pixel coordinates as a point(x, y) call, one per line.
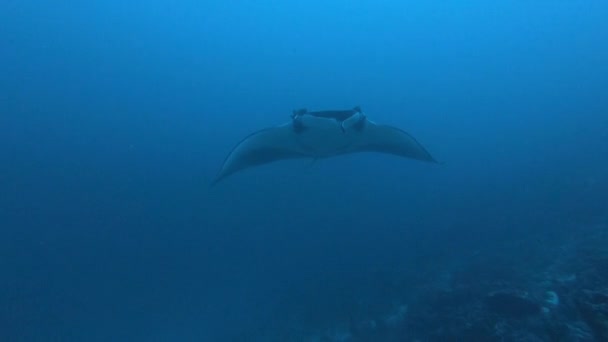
point(339, 115)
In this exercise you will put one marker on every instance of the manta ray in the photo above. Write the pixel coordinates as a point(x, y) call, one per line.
point(318, 135)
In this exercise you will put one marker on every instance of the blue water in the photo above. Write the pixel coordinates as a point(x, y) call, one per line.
point(116, 115)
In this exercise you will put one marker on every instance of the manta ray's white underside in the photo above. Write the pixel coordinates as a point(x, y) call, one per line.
point(320, 138)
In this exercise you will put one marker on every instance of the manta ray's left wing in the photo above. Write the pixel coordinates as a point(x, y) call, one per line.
point(262, 147)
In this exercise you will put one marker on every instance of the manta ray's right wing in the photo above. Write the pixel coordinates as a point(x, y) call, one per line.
point(388, 139)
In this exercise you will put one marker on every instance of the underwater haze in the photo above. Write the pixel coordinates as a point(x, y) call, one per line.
point(115, 117)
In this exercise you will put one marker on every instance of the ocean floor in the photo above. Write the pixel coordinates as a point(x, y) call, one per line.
point(537, 288)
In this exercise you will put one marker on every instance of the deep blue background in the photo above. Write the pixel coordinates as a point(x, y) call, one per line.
point(116, 115)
